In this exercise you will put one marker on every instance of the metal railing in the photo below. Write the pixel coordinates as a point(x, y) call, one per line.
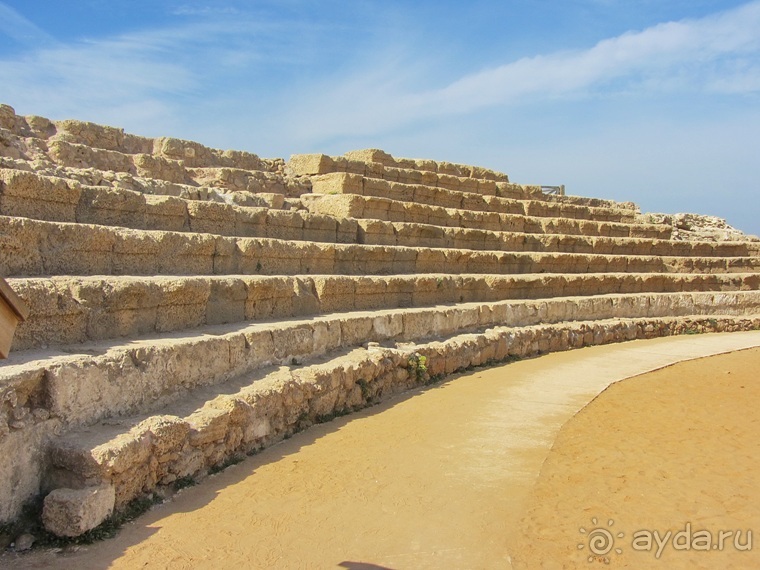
point(556, 190)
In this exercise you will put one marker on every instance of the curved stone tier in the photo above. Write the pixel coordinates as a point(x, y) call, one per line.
point(189, 305)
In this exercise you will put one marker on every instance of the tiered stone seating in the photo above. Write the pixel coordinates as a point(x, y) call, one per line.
point(189, 305)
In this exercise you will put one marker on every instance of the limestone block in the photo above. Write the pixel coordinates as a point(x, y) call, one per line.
point(91, 134)
point(327, 336)
point(385, 189)
point(293, 341)
point(166, 213)
point(22, 247)
point(226, 301)
point(371, 155)
point(337, 183)
point(123, 452)
point(319, 228)
point(111, 207)
point(269, 297)
point(347, 231)
point(419, 324)
point(8, 119)
point(304, 297)
point(192, 154)
point(81, 156)
point(357, 330)
point(72, 512)
point(149, 166)
point(375, 232)
point(183, 304)
point(409, 176)
point(76, 249)
point(29, 195)
point(307, 164)
point(208, 425)
point(211, 217)
point(335, 293)
point(261, 347)
point(387, 326)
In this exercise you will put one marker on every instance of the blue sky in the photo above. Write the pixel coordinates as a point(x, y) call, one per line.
point(652, 101)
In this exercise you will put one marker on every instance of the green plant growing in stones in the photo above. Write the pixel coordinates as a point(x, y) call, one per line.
point(417, 366)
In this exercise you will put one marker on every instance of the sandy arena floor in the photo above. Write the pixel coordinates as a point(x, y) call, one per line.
point(449, 477)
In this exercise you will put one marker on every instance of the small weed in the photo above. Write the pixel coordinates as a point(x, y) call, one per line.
point(691, 331)
point(364, 385)
point(184, 483)
point(417, 366)
point(221, 466)
point(294, 361)
point(258, 266)
point(323, 418)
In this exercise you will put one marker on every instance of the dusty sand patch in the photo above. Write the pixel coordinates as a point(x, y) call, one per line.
point(440, 478)
point(655, 452)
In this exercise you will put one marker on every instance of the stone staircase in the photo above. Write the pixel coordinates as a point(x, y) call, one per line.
point(190, 306)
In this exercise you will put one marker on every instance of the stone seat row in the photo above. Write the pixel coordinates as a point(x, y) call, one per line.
point(25, 194)
point(62, 393)
point(356, 165)
point(83, 384)
point(115, 139)
point(73, 310)
point(341, 183)
point(28, 194)
point(138, 454)
point(39, 248)
point(385, 209)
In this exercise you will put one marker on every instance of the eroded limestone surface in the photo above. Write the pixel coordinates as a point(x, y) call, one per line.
point(190, 305)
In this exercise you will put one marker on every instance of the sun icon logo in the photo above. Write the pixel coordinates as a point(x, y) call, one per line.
point(600, 541)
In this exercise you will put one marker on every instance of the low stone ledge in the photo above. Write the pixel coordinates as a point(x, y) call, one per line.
point(289, 400)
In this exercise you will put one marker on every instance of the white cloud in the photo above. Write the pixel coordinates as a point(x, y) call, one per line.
point(716, 53)
point(22, 30)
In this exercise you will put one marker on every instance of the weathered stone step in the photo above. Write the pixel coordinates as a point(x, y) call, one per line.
point(376, 232)
point(88, 382)
point(37, 248)
point(72, 310)
point(375, 164)
point(378, 164)
point(30, 195)
point(103, 137)
point(158, 167)
point(134, 456)
point(385, 209)
point(27, 194)
point(345, 183)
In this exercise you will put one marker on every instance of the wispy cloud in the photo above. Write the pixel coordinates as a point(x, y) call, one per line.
point(716, 53)
point(15, 26)
point(188, 10)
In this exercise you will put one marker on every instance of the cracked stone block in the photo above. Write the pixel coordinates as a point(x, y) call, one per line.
point(72, 512)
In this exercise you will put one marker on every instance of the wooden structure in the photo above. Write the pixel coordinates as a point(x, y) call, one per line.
point(12, 312)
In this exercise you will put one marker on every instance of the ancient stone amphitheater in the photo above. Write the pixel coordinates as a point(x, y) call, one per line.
point(189, 306)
